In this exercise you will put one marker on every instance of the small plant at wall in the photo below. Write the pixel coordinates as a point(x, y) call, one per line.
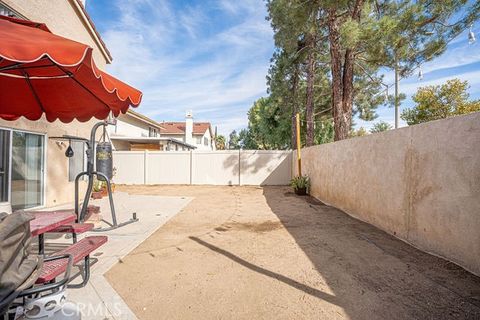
point(98, 185)
point(114, 172)
point(300, 184)
point(99, 188)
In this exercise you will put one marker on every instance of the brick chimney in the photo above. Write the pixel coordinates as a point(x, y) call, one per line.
point(189, 127)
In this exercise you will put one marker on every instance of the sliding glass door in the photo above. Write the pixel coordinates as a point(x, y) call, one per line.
point(27, 170)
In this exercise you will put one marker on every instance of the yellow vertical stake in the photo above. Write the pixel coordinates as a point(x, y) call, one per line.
point(299, 146)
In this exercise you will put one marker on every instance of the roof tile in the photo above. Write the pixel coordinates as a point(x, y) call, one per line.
point(179, 127)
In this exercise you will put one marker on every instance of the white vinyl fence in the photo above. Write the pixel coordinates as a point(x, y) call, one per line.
point(228, 167)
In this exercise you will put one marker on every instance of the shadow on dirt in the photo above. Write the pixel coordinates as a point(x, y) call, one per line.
point(300, 286)
point(372, 274)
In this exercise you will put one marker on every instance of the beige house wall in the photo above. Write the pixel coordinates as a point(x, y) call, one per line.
point(420, 183)
point(63, 18)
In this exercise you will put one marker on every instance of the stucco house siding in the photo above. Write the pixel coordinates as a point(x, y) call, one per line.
point(129, 127)
point(136, 132)
point(195, 141)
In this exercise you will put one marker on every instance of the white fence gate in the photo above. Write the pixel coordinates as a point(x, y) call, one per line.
point(228, 167)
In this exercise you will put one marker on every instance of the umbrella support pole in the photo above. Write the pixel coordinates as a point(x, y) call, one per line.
point(90, 173)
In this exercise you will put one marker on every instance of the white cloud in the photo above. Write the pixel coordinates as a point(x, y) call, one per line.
point(180, 61)
point(457, 62)
point(473, 79)
point(458, 54)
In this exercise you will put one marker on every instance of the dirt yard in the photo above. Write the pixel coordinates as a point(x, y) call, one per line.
point(264, 253)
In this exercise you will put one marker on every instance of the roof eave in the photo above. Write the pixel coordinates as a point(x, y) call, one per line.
point(144, 118)
point(151, 139)
point(91, 26)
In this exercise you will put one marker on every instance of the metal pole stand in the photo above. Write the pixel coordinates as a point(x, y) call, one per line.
point(90, 173)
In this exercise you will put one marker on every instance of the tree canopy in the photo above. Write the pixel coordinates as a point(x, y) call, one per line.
point(220, 142)
point(440, 102)
point(328, 56)
point(380, 127)
point(233, 140)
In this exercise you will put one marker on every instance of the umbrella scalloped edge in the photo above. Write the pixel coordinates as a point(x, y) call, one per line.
point(85, 56)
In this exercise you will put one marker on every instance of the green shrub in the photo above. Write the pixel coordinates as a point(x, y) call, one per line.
point(300, 182)
point(98, 185)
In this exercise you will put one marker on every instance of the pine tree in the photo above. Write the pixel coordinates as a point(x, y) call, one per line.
point(328, 54)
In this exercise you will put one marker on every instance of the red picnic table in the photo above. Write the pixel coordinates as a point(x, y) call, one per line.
point(47, 221)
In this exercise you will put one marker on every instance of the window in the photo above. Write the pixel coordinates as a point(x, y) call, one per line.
point(152, 132)
point(205, 141)
point(76, 164)
point(6, 11)
point(199, 140)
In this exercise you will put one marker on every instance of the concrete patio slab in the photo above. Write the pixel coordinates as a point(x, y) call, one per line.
point(98, 300)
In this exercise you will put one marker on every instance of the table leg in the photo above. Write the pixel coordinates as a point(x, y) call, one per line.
point(41, 244)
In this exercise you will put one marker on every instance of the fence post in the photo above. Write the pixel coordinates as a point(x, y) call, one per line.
point(239, 166)
point(145, 166)
point(191, 167)
point(292, 164)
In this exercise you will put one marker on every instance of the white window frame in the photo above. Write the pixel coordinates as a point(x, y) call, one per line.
point(5, 10)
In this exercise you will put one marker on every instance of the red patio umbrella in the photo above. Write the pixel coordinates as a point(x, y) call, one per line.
point(42, 73)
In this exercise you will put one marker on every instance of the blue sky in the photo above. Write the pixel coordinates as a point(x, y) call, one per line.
point(212, 56)
point(460, 60)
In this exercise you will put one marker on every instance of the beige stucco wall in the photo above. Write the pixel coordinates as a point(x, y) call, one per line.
point(420, 183)
point(63, 19)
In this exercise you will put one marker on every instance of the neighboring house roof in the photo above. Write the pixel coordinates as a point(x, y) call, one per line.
point(145, 119)
point(199, 128)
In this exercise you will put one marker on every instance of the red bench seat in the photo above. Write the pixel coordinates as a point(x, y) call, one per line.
point(79, 250)
point(74, 228)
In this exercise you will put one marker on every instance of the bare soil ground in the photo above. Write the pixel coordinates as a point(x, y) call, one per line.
point(264, 253)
